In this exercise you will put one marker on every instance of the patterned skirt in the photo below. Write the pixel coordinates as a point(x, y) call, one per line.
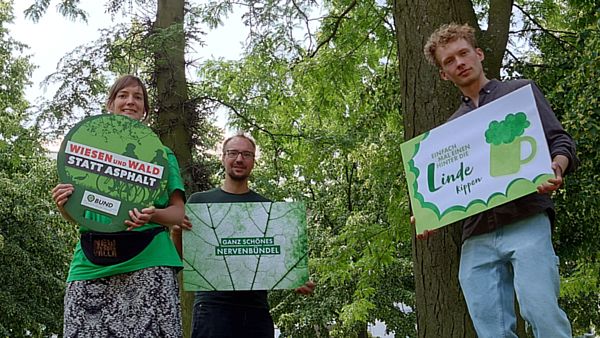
point(143, 303)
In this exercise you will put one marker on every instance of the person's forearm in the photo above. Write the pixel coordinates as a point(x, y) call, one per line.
point(562, 161)
point(173, 214)
point(177, 239)
point(65, 215)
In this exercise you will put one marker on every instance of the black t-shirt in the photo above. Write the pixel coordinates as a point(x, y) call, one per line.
point(254, 299)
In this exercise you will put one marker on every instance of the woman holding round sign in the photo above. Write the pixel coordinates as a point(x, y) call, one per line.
point(123, 188)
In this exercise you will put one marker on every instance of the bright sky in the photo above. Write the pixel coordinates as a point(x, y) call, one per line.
point(54, 36)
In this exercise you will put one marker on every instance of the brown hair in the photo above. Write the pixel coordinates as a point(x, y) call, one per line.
point(127, 81)
point(240, 134)
point(446, 34)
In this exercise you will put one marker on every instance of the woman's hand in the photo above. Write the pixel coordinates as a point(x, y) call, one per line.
point(185, 225)
point(139, 218)
point(61, 193)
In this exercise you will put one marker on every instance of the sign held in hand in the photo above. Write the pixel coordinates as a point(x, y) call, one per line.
point(488, 157)
point(245, 246)
point(115, 164)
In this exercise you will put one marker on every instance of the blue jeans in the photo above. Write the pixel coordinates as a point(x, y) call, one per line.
point(514, 259)
point(227, 321)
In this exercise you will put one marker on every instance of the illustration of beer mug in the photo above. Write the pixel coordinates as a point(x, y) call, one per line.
point(505, 159)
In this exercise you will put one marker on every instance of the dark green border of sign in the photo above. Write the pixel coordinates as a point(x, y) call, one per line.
point(119, 135)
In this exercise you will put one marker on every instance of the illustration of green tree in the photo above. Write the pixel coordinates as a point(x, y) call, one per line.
point(505, 138)
point(506, 131)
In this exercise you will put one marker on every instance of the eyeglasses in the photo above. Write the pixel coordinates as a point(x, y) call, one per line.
point(246, 155)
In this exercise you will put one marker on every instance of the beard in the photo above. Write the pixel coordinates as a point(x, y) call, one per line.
point(236, 177)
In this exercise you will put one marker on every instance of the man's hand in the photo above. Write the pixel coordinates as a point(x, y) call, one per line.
point(425, 233)
point(558, 163)
point(307, 288)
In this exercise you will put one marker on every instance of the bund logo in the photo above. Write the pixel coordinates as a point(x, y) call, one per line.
point(101, 203)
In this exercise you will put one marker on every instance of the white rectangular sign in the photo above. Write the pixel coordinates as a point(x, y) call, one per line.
point(490, 156)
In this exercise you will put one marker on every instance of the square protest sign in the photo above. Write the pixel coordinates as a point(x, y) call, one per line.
point(245, 246)
point(490, 156)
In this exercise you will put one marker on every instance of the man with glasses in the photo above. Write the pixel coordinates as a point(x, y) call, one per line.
point(234, 313)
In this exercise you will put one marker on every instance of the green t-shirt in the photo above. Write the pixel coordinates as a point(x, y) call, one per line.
point(160, 252)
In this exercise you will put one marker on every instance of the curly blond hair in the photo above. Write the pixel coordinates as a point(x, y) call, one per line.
point(444, 35)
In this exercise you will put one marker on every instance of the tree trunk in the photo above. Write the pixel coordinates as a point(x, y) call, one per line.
point(428, 102)
point(171, 110)
point(363, 332)
point(171, 87)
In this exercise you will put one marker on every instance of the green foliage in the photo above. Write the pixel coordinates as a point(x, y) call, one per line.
point(506, 131)
point(210, 14)
point(36, 252)
point(67, 8)
point(14, 70)
point(327, 122)
point(566, 69)
point(35, 244)
point(84, 74)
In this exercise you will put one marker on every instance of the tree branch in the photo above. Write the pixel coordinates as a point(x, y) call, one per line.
point(495, 38)
point(548, 32)
point(248, 120)
point(306, 20)
point(336, 26)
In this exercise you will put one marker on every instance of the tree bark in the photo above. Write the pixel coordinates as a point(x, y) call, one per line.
point(428, 102)
point(172, 96)
point(171, 111)
point(494, 39)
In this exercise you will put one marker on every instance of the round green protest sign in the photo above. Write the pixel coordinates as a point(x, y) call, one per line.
point(115, 164)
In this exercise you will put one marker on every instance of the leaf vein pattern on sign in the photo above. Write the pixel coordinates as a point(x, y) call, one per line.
point(193, 263)
point(264, 233)
point(297, 256)
point(214, 228)
point(256, 271)
point(199, 274)
point(199, 220)
point(289, 211)
point(286, 275)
